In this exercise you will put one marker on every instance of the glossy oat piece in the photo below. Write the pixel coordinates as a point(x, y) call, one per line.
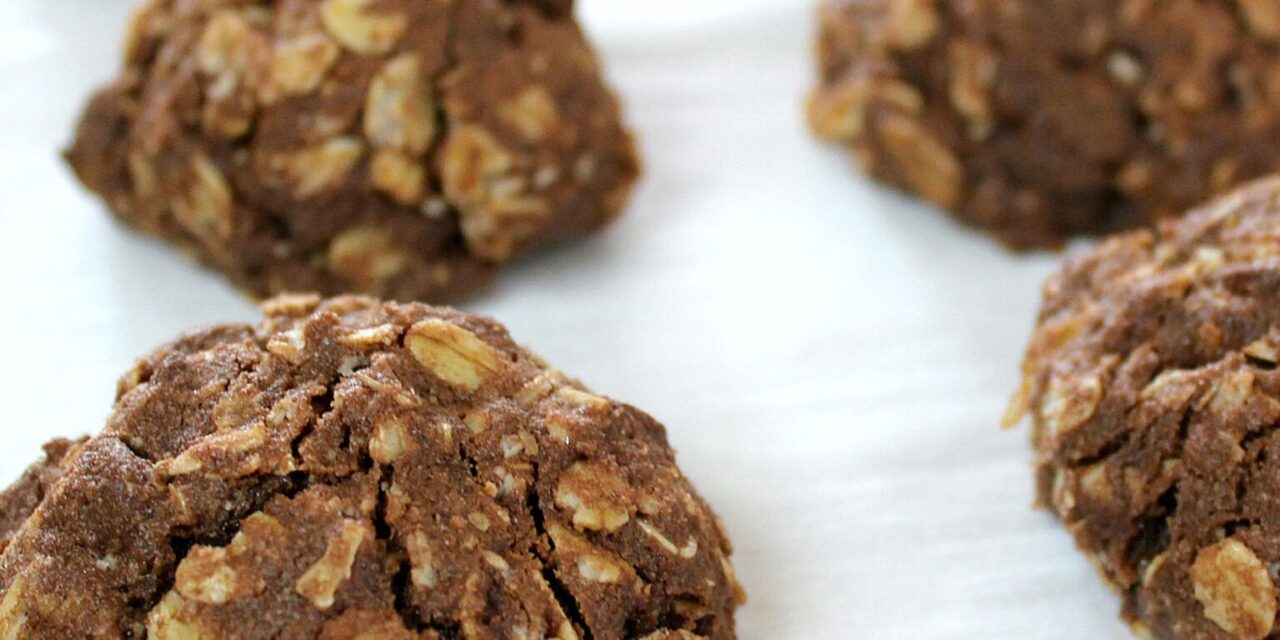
point(1154, 395)
point(402, 148)
point(1039, 120)
point(354, 469)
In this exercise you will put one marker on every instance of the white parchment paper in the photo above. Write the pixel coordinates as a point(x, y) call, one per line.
point(831, 359)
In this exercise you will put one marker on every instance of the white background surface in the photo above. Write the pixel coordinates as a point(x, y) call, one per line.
point(831, 359)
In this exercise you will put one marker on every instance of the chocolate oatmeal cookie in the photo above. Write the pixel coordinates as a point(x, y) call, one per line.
point(352, 469)
point(403, 148)
point(1039, 119)
point(1155, 400)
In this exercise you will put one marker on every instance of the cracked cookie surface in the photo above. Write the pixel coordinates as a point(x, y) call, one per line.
point(400, 148)
point(1154, 394)
point(354, 469)
point(1036, 120)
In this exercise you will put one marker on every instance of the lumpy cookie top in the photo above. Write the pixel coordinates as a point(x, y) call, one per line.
point(352, 469)
point(1154, 394)
point(19, 500)
point(1039, 119)
point(401, 148)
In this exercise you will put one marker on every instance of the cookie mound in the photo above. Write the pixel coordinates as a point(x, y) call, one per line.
point(352, 469)
point(401, 148)
point(1037, 120)
point(1154, 396)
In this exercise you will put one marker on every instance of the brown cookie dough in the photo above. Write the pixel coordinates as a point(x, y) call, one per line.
point(352, 469)
point(1154, 396)
point(401, 148)
point(19, 500)
point(1039, 119)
